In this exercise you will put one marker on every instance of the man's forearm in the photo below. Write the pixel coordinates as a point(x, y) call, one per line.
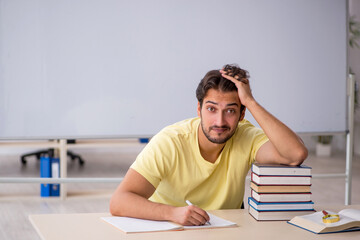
point(286, 142)
point(129, 204)
point(131, 200)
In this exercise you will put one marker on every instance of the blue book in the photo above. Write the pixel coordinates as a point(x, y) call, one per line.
point(280, 206)
point(55, 173)
point(45, 172)
point(144, 140)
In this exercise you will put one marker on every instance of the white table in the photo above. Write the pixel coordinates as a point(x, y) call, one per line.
point(89, 226)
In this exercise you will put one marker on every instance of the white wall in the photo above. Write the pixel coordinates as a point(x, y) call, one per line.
point(354, 63)
point(67, 72)
point(339, 141)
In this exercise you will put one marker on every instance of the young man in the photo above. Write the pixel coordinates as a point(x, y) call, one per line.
point(205, 160)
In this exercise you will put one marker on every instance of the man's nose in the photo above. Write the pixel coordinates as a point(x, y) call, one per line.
point(220, 119)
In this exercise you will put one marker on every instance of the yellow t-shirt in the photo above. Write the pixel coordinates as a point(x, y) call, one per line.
point(172, 163)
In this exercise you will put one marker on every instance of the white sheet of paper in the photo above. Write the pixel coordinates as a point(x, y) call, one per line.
point(132, 225)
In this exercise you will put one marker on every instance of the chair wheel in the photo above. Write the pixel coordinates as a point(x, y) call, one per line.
point(81, 162)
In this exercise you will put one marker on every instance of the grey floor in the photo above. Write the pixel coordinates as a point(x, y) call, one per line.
point(18, 201)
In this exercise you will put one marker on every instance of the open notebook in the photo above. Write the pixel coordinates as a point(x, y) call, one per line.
point(135, 225)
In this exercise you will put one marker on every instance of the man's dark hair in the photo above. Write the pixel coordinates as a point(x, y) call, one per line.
point(214, 80)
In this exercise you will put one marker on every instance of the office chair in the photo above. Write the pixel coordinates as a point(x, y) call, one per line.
point(50, 152)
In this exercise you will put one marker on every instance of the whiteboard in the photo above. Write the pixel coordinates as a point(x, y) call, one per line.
point(116, 68)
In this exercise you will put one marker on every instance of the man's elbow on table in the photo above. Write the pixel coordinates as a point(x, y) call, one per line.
point(115, 207)
point(299, 156)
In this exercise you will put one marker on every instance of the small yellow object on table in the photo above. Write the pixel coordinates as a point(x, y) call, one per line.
point(330, 218)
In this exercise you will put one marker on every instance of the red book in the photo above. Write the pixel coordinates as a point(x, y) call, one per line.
point(281, 180)
point(281, 197)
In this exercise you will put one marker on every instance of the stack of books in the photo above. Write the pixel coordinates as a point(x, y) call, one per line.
point(280, 192)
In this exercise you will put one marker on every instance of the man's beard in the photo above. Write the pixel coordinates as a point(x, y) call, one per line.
point(214, 139)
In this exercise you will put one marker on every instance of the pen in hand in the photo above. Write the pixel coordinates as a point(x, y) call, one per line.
point(190, 204)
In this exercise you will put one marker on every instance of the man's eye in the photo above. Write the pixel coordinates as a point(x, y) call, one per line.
point(231, 111)
point(211, 109)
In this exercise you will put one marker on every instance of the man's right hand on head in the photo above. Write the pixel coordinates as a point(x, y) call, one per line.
point(243, 87)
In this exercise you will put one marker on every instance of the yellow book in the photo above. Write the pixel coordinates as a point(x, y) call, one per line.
point(279, 189)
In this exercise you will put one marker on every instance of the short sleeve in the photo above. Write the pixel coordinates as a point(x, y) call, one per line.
point(155, 160)
point(259, 139)
point(254, 137)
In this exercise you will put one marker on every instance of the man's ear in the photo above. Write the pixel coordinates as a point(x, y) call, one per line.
point(242, 115)
point(198, 109)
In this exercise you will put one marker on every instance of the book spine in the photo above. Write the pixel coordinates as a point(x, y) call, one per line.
point(281, 180)
point(265, 170)
point(281, 197)
point(45, 172)
point(55, 173)
point(281, 206)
